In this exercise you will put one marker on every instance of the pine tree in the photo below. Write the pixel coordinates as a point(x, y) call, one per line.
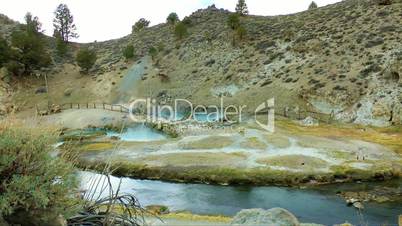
point(241, 7)
point(64, 23)
point(28, 50)
point(32, 24)
point(313, 5)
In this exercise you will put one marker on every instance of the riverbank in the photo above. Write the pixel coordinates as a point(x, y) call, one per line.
point(200, 202)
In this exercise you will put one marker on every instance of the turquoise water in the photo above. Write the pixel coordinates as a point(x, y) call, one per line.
point(313, 206)
point(199, 117)
point(138, 133)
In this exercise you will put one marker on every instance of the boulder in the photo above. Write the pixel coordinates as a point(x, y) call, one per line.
point(358, 205)
point(41, 90)
point(43, 112)
point(68, 92)
point(309, 121)
point(274, 216)
point(55, 108)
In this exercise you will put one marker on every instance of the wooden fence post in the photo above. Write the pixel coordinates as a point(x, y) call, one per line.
point(94, 105)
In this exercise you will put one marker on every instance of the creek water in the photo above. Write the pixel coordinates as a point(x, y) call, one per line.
point(309, 205)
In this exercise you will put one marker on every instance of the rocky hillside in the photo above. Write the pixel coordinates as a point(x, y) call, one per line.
point(344, 58)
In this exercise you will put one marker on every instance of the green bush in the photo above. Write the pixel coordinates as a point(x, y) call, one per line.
point(33, 181)
point(384, 2)
point(86, 59)
point(4, 51)
point(15, 68)
point(153, 52)
point(233, 21)
point(61, 45)
point(180, 30)
point(28, 49)
point(128, 52)
point(241, 32)
point(31, 51)
point(140, 24)
point(161, 47)
point(172, 18)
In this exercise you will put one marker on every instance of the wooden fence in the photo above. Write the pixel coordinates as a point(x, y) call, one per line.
point(285, 112)
point(301, 114)
point(104, 106)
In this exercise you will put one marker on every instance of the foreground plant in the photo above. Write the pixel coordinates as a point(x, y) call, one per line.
point(33, 184)
point(39, 185)
point(104, 206)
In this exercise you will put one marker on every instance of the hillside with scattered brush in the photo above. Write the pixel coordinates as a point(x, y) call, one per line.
point(343, 59)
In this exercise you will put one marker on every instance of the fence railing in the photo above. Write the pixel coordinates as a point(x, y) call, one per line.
point(301, 114)
point(285, 112)
point(104, 106)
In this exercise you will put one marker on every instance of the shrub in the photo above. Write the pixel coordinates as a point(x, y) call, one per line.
point(86, 59)
point(187, 21)
point(180, 31)
point(32, 181)
point(61, 46)
point(15, 68)
point(172, 18)
point(233, 21)
point(153, 52)
point(241, 32)
point(384, 2)
point(31, 52)
point(161, 47)
point(208, 36)
point(128, 52)
point(4, 51)
point(140, 24)
point(312, 5)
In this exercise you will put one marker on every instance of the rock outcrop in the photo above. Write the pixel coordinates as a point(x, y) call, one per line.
point(274, 216)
